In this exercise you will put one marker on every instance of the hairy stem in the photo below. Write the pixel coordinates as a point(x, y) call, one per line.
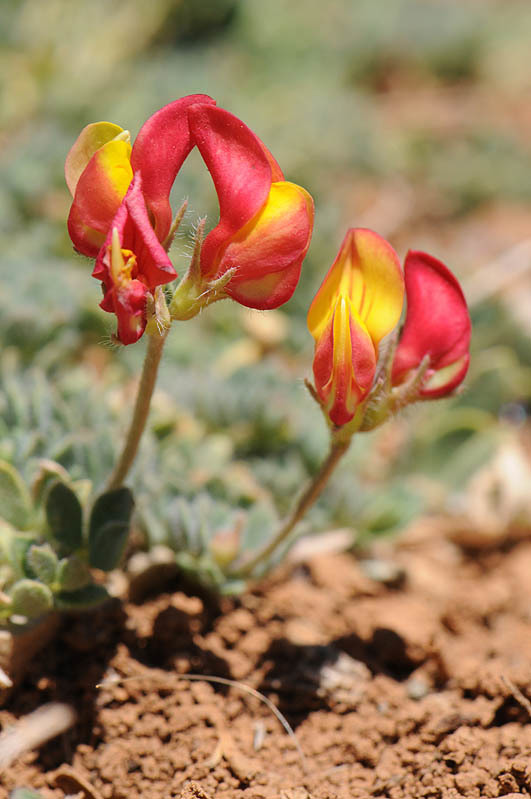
point(308, 498)
point(141, 409)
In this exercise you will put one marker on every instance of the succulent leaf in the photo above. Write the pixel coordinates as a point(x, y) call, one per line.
point(73, 574)
point(30, 598)
point(48, 472)
point(15, 502)
point(42, 562)
point(65, 516)
point(83, 599)
point(109, 527)
point(18, 548)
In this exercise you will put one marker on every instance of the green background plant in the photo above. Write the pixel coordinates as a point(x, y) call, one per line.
point(411, 121)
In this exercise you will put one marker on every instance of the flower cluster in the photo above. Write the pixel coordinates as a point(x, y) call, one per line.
point(359, 302)
point(121, 216)
point(121, 213)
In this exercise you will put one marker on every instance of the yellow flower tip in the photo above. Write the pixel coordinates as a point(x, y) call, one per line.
point(89, 141)
point(367, 271)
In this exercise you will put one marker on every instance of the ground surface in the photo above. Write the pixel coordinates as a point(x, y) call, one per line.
point(413, 689)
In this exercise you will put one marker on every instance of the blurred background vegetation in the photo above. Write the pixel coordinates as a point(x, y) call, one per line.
point(412, 117)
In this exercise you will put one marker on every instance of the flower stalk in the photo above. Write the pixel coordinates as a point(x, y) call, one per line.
point(338, 447)
point(141, 409)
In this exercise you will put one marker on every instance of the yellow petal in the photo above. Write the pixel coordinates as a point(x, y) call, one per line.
point(91, 138)
point(368, 272)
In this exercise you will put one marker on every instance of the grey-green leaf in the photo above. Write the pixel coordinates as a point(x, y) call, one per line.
point(15, 500)
point(109, 527)
point(18, 549)
point(30, 598)
point(113, 506)
point(43, 562)
point(65, 516)
point(107, 544)
point(84, 599)
point(73, 574)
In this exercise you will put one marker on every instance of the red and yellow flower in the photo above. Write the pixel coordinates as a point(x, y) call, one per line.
point(121, 203)
point(358, 303)
point(121, 212)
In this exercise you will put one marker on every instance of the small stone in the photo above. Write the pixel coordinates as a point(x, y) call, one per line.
point(417, 688)
point(384, 571)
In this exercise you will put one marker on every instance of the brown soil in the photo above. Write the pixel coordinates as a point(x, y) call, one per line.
point(412, 687)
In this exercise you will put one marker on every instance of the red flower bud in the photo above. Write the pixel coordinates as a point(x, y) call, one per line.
point(358, 303)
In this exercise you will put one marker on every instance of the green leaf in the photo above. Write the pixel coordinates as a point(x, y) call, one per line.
point(30, 598)
point(84, 599)
point(48, 473)
point(73, 574)
point(65, 516)
point(7, 533)
point(107, 544)
point(43, 562)
point(109, 527)
point(20, 543)
point(15, 501)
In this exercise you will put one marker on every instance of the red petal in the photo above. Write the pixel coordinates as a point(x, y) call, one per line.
point(241, 171)
point(437, 322)
point(267, 292)
point(267, 253)
point(130, 310)
point(158, 153)
point(136, 234)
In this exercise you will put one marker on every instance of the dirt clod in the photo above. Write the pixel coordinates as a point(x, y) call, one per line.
point(416, 689)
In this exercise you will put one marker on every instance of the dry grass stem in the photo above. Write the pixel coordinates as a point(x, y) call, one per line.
point(221, 681)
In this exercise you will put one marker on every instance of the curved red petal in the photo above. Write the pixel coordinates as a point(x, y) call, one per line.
point(268, 252)
point(162, 145)
point(267, 292)
point(445, 380)
point(130, 310)
point(437, 321)
point(153, 265)
point(241, 171)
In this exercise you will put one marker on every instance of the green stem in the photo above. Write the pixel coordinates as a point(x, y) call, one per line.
point(141, 409)
point(308, 498)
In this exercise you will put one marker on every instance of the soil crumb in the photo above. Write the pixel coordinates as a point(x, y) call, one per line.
point(411, 688)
